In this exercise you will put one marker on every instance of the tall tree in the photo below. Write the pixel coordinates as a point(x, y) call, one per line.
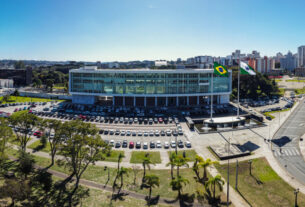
point(172, 163)
point(24, 123)
point(204, 164)
point(6, 133)
point(181, 161)
point(178, 183)
point(213, 182)
point(83, 146)
point(152, 181)
point(146, 162)
point(52, 130)
point(196, 166)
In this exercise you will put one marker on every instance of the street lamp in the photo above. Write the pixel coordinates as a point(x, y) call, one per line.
point(228, 176)
point(250, 166)
point(296, 191)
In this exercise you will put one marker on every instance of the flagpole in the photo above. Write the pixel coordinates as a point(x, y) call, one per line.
point(212, 97)
point(238, 89)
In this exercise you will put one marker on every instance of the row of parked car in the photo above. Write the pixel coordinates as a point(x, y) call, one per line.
point(23, 103)
point(107, 119)
point(151, 145)
point(167, 132)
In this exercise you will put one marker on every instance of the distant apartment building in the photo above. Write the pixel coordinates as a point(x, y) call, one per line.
point(113, 65)
point(301, 56)
point(160, 63)
point(300, 71)
point(21, 77)
point(265, 64)
point(289, 61)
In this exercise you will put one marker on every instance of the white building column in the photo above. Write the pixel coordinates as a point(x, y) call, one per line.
point(123, 100)
point(156, 101)
point(188, 100)
point(134, 101)
point(197, 100)
point(166, 101)
point(177, 101)
point(145, 101)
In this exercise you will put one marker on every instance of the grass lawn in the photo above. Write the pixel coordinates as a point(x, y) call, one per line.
point(137, 157)
point(15, 141)
point(264, 187)
point(38, 146)
point(14, 99)
point(191, 154)
point(281, 91)
point(113, 157)
point(299, 91)
point(293, 80)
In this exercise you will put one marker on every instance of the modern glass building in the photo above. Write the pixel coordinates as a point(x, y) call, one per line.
point(147, 87)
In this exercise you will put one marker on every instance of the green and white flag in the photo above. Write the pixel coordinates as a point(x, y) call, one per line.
point(245, 69)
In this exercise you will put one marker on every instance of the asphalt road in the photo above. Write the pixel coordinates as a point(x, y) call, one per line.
point(285, 144)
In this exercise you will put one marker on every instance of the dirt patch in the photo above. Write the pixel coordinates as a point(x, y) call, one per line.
point(278, 200)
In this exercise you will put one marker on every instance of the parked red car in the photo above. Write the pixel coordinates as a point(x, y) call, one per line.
point(131, 145)
point(38, 134)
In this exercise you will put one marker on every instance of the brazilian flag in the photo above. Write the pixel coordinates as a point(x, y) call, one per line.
point(220, 70)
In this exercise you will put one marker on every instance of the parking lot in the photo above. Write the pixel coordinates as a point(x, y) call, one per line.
point(132, 132)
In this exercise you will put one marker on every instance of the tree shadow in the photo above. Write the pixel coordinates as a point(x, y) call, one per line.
point(119, 196)
point(38, 148)
point(153, 200)
point(186, 199)
point(258, 181)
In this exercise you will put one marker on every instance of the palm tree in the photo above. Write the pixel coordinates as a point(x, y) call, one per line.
point(151, 181)
point(196, 166)
point(181, 161)
point(205, 164)
point(212, 182)
point(146, 163)
point(123, 171)
point(177, 184)
point(172, 163)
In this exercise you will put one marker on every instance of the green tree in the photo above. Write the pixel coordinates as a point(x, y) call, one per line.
point(25, 163)
point(83, 146)
point(19, 65)
point(214, 182)
point(152, 181)
point(196, 166)
point(120, 158)
point(172, 163)
point(49, 84)
point(146, 162)
point(52, 130)
point(204, 164)
point(6, 133)
point(16, 93)
point(181, 161)
point(178, 183)
point(24, 122)
point(15, 189)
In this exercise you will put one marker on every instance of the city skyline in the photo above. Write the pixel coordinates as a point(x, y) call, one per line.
point(147, 30)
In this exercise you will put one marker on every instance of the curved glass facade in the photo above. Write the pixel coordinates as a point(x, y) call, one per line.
point(147, 82)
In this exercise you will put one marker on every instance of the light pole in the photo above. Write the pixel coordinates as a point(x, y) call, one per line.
point(236, 182)
point(296, 191)
point(250, 166)
point(228, 176)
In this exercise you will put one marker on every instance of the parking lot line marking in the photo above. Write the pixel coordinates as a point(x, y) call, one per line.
point(293, 152)
point(297, 152)
point(289, 152)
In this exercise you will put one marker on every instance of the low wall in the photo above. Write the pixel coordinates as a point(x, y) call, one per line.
point(45, 95)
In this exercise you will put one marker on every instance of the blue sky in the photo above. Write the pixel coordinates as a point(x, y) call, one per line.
point(122, 30)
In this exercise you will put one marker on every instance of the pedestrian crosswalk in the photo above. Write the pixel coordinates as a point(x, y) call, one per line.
point(286, 152)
